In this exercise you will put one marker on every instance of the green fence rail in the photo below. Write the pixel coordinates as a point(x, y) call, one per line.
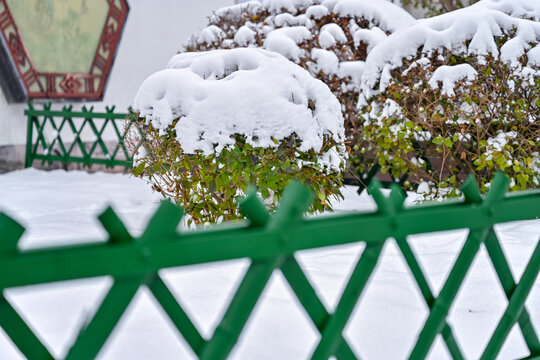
point(270, 242)
point(68, 136)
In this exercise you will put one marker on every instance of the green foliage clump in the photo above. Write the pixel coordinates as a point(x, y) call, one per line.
point(209, 186)
point(488, 124)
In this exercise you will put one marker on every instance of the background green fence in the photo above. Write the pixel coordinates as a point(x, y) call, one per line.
point(85, 137)
point(270, 242)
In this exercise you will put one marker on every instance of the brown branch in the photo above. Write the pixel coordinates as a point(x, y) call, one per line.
point(448, 5)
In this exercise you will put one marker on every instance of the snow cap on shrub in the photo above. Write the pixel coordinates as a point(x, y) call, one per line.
point(329, 38)
point(284, 25)
point(471, 31)
point(214, 123)
point(383, 13)
point(251, 92)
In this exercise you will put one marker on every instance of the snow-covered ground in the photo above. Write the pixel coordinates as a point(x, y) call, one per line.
point(58, 208)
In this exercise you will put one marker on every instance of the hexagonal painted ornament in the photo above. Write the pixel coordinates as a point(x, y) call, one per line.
point(60, 49)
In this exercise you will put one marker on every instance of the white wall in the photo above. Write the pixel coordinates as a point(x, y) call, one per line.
point(12, 122)
point(154, 31)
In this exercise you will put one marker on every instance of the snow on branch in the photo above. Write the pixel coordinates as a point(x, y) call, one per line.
point(474, 31)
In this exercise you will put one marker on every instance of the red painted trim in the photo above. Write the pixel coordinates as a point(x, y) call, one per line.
point(67, 85)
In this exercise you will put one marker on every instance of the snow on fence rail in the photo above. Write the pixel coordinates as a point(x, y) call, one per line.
point(68, 136)
point(270, 242)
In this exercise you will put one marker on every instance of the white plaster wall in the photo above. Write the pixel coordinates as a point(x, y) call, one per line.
point(154, 31)
point(12, 122)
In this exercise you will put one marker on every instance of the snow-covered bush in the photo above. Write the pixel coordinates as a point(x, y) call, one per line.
point(215, 122)
point(329, 38)
point(461, 90)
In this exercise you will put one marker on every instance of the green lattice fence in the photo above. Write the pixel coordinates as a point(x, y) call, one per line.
point(271, 242)
point(85, 137)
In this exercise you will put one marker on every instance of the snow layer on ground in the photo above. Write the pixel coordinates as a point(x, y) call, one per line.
point(253, 92)
point(473, 30)
point(60, 207)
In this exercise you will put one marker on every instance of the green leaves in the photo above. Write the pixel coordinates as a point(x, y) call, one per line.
point(138, 170)
point(438, 140)
point(491, 124)
point(208, 187)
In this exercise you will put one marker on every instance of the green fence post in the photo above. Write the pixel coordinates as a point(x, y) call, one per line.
point(515, 308)
point(436, 319)
point(12, 323)
point(315, 309)
point(332, 333)
point(504, 273)
point(295, 201)
point(29, 137)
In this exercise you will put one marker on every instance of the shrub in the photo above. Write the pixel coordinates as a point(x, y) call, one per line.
point(452, 96)
point(330, 39)
point(216, 122)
